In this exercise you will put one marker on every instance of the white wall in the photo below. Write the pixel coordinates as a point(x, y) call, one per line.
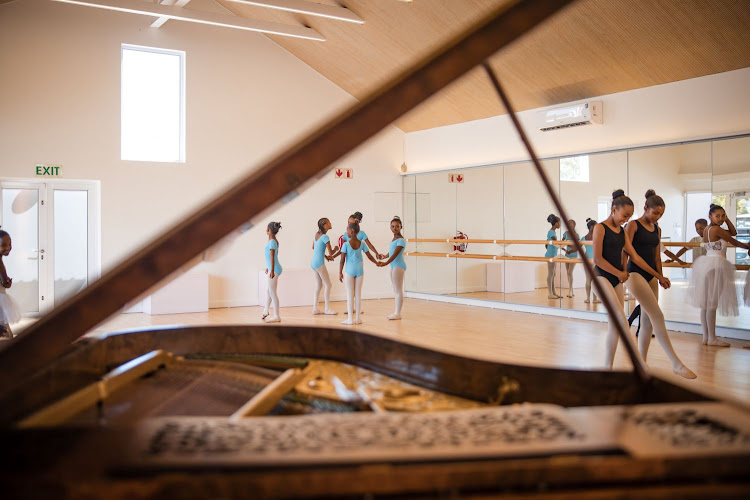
point(247, 98)
point(709, 106)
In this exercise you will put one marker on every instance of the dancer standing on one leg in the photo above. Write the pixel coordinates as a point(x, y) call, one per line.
point(9, 310)
point(395, 258)
point(590, 223)
point(645, 235)
point(571, 253)
point(352, 273)
point(611, 246)
point(318, 265)
point(552, 252)
point(273, 270)
point(712, 280)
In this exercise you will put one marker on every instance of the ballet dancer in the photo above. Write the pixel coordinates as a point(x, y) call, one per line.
point(699, 251)
point(610, 241)
point(352, 273)
point(643, 283)
point(552, 252)
point(711, 284)
point(571, 253)
point(318, 265)
point(357, 217)
point(590, 223)
point(395, 258)
point(273, 270)
point(9, 310)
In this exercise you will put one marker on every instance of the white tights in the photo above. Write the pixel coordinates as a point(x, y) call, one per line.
point(272, 296)
point(652, 318)
point(588, 288)
point(569, 267)
point(322, 281)
point(617, 295)
point(397, 279)
point(708, 326)
point(353, 296)
point(551, 271)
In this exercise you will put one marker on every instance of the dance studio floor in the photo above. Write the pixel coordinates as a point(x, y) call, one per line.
point(493, 335)
point(673, 303)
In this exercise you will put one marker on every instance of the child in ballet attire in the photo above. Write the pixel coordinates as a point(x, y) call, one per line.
point(352, 273)
point(321, 242)
point(590, 223)
point(9, 310)
point(711, 286)
point(552, 252)
point(362, 236)
point(571, 253)
point(395, 257)
point(644, 234)
point(700, 226)
point(273, 270)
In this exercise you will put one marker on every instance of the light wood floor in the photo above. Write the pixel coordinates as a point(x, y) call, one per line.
point(496, 335)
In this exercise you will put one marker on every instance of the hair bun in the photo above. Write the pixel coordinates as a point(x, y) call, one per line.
point(551, 218)
point(650, 193)
point(588, 219)
point(618, 193)
point(396, 217)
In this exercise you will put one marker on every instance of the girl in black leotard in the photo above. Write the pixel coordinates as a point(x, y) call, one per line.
point(643, 284)
point(609, 244)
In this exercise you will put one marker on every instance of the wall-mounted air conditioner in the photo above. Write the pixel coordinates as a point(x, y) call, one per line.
point(572, 115)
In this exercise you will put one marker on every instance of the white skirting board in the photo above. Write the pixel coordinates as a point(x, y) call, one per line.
point(677, 326)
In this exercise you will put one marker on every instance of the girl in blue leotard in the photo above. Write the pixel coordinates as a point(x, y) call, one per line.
point(554, 220)
point(273, 270)
point(570, 252)
point(590, 223)
point(320, 244)
point(351, 271)
point(395, 258)
point(362, 236)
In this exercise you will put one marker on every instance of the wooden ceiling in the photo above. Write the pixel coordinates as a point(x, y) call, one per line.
point(594, 47)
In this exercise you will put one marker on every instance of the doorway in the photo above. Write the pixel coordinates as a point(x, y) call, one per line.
point(54, 226)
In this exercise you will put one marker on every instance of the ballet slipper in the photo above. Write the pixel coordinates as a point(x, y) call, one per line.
point(685, 372)
point(393, 316)
point(347, 322)
point(597, 301)
point(587, 301)
point(316, 311)
point(718, 343)
point(552, 297)
point(704, 342)
point(264, 316)
point(357, 321)
point(275, 319)
point(569, 296)
point(328, 312)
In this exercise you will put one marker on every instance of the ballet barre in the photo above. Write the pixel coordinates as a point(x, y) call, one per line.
point(561, 243)
point(740, 267)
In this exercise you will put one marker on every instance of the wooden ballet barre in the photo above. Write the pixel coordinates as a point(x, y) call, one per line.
point(560, 243)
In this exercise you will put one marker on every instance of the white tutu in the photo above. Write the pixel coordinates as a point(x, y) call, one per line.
point(712, 285)
point(9, 310)
point(747, 288)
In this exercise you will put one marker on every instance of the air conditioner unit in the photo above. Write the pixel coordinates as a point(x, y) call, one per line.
point(572, 115)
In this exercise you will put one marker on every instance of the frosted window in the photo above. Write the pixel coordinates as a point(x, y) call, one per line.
point(71, 242)
point(153, 97)
point(574, 168)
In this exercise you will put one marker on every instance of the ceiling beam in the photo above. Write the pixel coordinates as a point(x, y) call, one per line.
point(160, 22)
point(200, 17)
point(309, 8)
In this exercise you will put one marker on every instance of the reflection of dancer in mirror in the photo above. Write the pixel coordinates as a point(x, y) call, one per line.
point(610, 242)
point(712, 281)
point(273, 270)
point(570, 252)
point(318, 265)
point(699, 251)
point(9, 310)
point(352, 273)
point(552, 252)
point(645, 235)
point(395, 258)
point(590, 223)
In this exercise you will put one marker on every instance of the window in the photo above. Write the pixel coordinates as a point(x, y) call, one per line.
point(574, 169)
point(153, 104)
point(719, 199)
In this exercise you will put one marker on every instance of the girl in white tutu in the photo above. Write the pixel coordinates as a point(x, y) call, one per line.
point(712, 284)
point(9, 310)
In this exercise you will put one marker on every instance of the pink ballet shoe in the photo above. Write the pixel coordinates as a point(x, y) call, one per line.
point(718, 343)
point(316, 312)
point(330, 313)
point(394, 317)
point(685, 372)
point(347, 322)
point(275, 319)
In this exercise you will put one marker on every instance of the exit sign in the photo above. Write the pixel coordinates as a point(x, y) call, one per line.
point(343, 173)
point(458, 178)
point(48, 170)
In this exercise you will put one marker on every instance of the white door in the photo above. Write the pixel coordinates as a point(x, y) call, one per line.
point(54, 227)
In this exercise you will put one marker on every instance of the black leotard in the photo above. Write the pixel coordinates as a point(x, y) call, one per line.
point(645, 243)
point(612, 245)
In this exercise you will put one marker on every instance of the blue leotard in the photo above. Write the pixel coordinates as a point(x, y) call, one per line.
point(398, 261)
point(353, 266)
point(273, 245)
point(570, 238)
point(551, 249)
point(589, 251)
point(361, 236)
point(319, 252)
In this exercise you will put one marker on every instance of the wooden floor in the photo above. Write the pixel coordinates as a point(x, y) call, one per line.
point(497, 335)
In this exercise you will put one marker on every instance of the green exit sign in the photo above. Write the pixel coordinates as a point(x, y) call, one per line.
point(49, 170)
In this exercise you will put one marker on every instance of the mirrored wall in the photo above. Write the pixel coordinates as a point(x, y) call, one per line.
point(507, 208)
